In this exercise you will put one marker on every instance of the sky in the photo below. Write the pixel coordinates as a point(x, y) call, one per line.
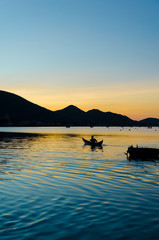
point(101, 54)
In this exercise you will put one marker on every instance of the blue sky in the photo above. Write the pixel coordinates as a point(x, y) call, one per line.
point(92, 53)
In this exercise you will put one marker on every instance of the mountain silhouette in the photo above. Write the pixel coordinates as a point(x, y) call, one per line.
point(17, 111)
point(149, 122)
point(97, 117)
point(70, 115)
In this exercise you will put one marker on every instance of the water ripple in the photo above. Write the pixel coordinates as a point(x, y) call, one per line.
point(53, 188)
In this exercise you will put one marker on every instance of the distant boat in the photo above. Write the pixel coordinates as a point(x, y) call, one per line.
point(142, 153)
point(97, 144)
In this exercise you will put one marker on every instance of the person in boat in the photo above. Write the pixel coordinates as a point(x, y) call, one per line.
point(93, 140)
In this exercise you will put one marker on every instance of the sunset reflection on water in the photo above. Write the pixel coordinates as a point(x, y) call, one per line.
point(54, 187)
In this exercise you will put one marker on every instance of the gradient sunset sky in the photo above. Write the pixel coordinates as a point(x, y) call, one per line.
point(90, 53)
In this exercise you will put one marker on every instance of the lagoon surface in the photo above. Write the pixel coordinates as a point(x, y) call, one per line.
point(53, 187)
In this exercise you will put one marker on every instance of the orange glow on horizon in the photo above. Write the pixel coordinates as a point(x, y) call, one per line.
point(135, 101)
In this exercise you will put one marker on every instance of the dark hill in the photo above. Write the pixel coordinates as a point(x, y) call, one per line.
point(149, 122)
point(70, 115)
point(96, 117)
point(17, 109)
point(115, 119)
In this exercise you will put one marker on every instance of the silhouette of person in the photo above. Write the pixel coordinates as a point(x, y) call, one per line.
point(93, 140)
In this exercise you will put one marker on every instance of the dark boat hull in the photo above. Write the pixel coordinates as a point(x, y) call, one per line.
point(97, 144)
point(142, 153)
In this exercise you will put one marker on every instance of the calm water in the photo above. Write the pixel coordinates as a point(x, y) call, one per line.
point(52, 187)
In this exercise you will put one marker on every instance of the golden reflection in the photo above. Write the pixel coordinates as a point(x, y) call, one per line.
point(61, 148)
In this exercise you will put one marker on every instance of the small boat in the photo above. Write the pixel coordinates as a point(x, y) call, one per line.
point(97, 144)
point(142, 153)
